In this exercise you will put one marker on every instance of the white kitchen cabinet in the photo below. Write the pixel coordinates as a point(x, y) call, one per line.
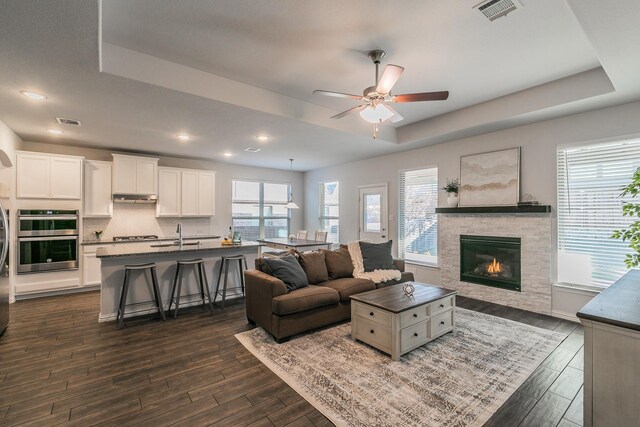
point(97, 189)
point(206, 193)
point(169, 191)
point(185, 192)
point(134, 174)
point(90, 269)
point(189, 193)
point(48, 176)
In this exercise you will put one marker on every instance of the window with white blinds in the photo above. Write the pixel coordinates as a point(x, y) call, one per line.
point(330, 210)
point(258, 209)
point(418, 224)
point(590, 179)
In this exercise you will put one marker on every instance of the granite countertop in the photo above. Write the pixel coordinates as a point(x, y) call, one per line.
point(148, 249)
point(161, 239)
point(618, 304)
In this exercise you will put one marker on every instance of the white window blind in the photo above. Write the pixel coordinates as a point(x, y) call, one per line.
point(418, 225)
point(590, 179)
point(258, 209)
point(330, 210)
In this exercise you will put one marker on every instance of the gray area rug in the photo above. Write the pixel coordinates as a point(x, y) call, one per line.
point(456, 380)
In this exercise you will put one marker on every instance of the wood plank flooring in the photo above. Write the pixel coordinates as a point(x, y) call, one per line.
point(59, 366)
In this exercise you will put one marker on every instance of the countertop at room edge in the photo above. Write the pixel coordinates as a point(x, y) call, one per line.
point(146, 249)
point(161, 239)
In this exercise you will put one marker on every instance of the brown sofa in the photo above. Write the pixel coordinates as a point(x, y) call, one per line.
point(284, 314)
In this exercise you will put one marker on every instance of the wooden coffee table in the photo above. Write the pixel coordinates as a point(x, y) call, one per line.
point(392, 322)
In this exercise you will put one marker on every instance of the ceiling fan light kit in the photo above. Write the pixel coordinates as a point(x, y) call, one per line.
point(375, 99)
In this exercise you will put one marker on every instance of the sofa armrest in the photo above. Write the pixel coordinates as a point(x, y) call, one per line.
point(260, 289)
point(399, 263)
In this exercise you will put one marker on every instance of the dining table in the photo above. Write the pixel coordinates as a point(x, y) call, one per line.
point(284, 244)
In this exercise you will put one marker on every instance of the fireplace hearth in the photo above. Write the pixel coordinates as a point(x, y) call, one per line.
point(491, 261)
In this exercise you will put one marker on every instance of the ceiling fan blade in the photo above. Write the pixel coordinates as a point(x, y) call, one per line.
point(349, 111)
point(389, 78)
point(396, 116)
point(337, 94)
point(424, 96)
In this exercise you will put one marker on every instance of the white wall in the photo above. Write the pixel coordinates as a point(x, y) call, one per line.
point(225, 173)
point(539, 142)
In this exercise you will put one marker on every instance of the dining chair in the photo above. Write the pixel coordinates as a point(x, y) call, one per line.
point(321, 236)
point(301, 234)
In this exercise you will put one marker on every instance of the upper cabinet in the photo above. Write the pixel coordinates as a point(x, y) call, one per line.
point(48, 176)
point(97, 189)
point(186, 192)
point(134, 174)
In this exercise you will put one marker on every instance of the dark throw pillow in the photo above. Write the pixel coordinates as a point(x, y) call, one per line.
point(314, 266)
point(287, 269)
point(377, 256)
point(338, 263)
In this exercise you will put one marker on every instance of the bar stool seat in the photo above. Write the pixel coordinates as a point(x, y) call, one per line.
point(225, 265)
point(151, 267)
point(203, 284)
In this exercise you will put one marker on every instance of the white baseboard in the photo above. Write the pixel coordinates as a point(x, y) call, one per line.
point(566, 316)
point(150, 309)
point(42, 294)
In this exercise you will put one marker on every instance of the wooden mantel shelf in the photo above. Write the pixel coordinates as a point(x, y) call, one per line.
point(496, 210)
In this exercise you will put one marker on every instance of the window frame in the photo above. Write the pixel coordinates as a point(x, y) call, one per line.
point(261, 217)
point(321, 217)
point(401, 238)
point(560, 205)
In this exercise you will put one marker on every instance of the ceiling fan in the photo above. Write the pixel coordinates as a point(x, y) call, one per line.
point(375, 99)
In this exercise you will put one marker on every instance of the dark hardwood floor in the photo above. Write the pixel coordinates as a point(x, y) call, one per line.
point(58, 366)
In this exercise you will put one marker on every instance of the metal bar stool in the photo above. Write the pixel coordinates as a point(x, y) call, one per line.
point(203, 284)
point(225, 265)
point(125, 290)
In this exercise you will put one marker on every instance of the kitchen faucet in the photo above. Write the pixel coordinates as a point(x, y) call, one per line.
point(179, 231)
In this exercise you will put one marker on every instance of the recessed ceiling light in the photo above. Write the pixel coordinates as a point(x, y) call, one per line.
point(33, 95)
point(55, 131)
point(183, 137)
point(227, 154)
point(252, 149)
point(262, 138)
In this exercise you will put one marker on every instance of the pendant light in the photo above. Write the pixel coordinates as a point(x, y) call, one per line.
point(291, 204)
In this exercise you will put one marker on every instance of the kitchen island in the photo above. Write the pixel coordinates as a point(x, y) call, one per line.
point(164, 255)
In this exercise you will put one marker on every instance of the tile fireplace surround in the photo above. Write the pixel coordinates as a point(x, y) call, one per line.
point(535, 230)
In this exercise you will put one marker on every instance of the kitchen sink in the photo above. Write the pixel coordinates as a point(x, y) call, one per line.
point(166, 245)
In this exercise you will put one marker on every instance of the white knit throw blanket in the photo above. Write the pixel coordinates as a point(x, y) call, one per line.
point(376, 276)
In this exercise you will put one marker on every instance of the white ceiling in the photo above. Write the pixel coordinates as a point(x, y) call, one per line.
point(274, 53)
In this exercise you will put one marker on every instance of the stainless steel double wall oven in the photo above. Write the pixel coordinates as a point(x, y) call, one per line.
point(47, 240)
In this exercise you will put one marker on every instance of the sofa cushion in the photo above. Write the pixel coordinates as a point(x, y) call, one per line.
point(262, 266)
point(349, 286)
point(304, 299)
point(288, 270)
point(339, 263)
point(377, 256)
point(406, 276)
point(314, 266)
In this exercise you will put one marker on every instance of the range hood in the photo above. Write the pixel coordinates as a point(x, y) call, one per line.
point(135, 198)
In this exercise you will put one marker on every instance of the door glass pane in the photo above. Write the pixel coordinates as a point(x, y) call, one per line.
point(372, 213)
point(47, 251)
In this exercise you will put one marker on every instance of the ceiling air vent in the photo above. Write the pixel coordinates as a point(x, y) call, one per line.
point(494, 9)
point(68, 122)
point(252, 149)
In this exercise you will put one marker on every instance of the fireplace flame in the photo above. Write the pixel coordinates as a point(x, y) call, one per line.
point(495, 267)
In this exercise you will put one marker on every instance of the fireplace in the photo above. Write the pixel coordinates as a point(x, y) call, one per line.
point(491, 261)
